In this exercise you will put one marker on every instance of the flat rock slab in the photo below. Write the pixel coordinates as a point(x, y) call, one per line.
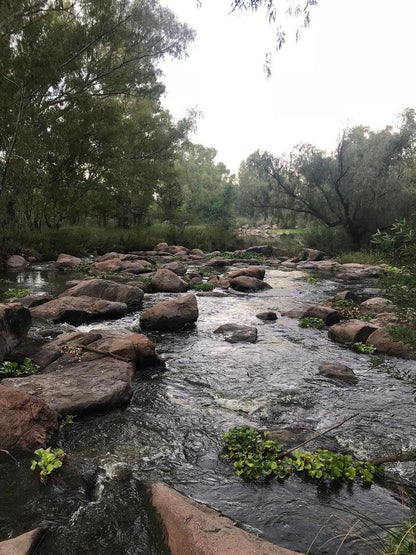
point(26, 423)
point(194, 528)
point(338, 372)
point(79, 310)
point(108, 290)
point(80, 386)
point(15, 321)
point(252, 271)
point(171, 315)
point(24, 544)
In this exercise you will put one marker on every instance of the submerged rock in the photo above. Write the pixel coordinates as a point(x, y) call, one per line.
point(171, 315)
point(338, 372)
point(25, 544)
point(268, 316)
point(236, 333)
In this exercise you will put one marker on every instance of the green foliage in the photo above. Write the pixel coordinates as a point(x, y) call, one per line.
point(243, 255)
point(67, 420)
point(16, 293)
point(14, 369)
point(312, 279)
point(399, 243)
point(401, 542)
point(201, 286)
point(310, 322)
point(361, 257)
point(84, 267)
point(254, 457)
point(48, 461)
point(364, 349)
point(347, 308)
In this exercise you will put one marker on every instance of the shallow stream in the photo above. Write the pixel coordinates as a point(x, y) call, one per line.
point(172, 431)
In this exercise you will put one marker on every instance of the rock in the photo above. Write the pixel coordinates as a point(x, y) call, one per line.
point(67, 261)
point(177, 267)
point(211, 294)
point(236, 333)
point(376, 305)
point(197, 252)
point(252, 271)
point(195, 279)
point(136, 266)
point(357, 272)
point(25, 544)
point(171, 315)
point(161, 247)
point(218, 262)
point(77, 387)
point(267, 316)
point(326, 265)
point(220, 281)
point(266, 250)
point(79, 310)
point(107, 266)
point(383, 343)
point(346, 296)
point(107, 290)
point(178, 250)
point(297, 312)
point(351, 331)
point(31, 301)
point(328, 315)
point(311, 255)
point(15, 321)
point(194, 528)
point(165, 280)
point(245, 283)
point(338, 372)
point(16, 261)
point(26, 422)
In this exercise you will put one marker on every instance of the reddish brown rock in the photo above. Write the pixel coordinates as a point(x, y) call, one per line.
point(136, 266)
point(252, 271)
point(171, 315)
point(109, 265)
point(15, 321)
point(220, 281)
point(107, 290)
point(176, 266)
point(197, 252)
point(79, 310)
point(161, 247)
point(178, 250)
point(246, 283)
point(26, 422)
point(376, 305)
point(165, 280)
point(383, 343)
point(351, 331)
point(196, 529)
point(16, 261)
point(338, 372)
point(328, 315)
point(24, 544)
point(67, 261)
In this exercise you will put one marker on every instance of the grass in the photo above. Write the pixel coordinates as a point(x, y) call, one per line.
point(360, 257)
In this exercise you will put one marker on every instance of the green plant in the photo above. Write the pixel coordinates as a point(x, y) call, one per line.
point(48, 461)
point(84, 267)
point(401, 542)
point(16, 293)
point(14, 369)
point(243, 255)
point(254, 457)
point(347, 308)
point(201, 286)
point(364, 349)
point(310, 322)
point(67, 420)
point(312, 279)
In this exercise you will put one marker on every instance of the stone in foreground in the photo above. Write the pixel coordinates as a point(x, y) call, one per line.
point(107, 290)
point(327, 314)
point(79, 310)
point(246, 284)
point(383, 343)
point(338, 372)
point(194, 528)
point(166, 280)
point(238, 333)
point(26, 423)
point(15, 321)
point(350, 332)
point(171, 315)
point(25, 544)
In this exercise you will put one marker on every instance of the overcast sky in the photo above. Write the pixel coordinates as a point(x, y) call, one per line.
point(353, 65)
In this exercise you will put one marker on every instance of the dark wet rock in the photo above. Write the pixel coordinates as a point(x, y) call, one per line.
point(67, 261)
point(328, 315)
point(79, 310)
point(165, 280)
point(15, 321)
point(108, 290)
point(246, 283)
point(267, 316)
point(383, 343)
point(16, 261)
point(338, 372)
point(350, 332)
point(266, 250)
point(219, 281)
point(176, 266)
point(25, 544)
point(238, 333)
point(26, 422)
point(171, 315)
point(196, 528)
point(346, 296)
point(376, 305)
point(30, 301)
point(252, 271)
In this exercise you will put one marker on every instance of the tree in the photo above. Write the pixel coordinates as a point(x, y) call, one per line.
point(365, 185)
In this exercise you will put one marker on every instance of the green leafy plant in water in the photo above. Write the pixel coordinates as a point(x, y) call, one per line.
point(312, 279)
point(346, 307)
point(84, 267)
point(255, 457)
point(48, 461)
point(310, 322)
point(16, 293)
point(201, 286)
point(364, 349)
point(67, 420)
point(14, 369)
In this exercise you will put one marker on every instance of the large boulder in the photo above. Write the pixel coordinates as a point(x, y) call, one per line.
point(26, 422)
point(67, 261)
point(219, 281)
point(110, 265)
point(176, 266)
point(327, 314)
point(25, 544)
point(383, 343)
point(246, 284)
point(79, 310)
point(194, 528)
point(171, 315)
point(252, 271)
point(15, 321)
point(165, 280)
point(15, 262)
point(376, 305)
point(107, 290)
point(351, 331)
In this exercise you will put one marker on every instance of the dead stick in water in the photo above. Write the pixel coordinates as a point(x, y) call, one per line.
point(9, 454)
point(285, 453)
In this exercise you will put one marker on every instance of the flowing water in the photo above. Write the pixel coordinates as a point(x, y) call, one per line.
point(172, 431)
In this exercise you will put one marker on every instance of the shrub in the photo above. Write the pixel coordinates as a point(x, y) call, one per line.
point(364, 348)
point(14, 369)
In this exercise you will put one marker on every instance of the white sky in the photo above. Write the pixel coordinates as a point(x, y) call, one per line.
point(354, 65)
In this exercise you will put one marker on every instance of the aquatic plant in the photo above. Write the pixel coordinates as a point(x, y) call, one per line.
point(48, 461)
point(364, 349)
point(16, 293)
point(310, 322)
point(201, 286)
point(14, 369)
